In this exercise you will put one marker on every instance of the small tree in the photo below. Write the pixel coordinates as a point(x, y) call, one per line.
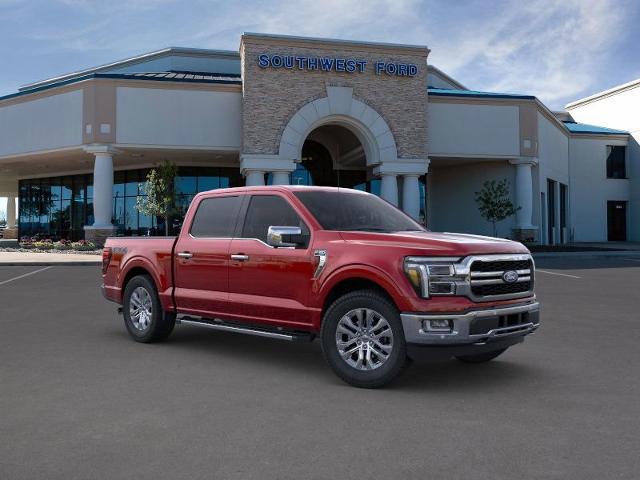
point(161, 195)
point(494, 203)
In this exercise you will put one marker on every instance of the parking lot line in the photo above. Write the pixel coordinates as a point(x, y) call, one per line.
point(632, 259)
point(556, 273)
point(25, 275)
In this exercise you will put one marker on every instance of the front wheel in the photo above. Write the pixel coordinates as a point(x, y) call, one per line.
point(363, 340)
point(144, 318)
point(481, 357)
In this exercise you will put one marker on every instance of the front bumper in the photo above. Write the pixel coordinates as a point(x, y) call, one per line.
point(475, 331)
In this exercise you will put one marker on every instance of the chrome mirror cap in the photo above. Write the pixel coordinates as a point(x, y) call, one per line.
point(278, 236)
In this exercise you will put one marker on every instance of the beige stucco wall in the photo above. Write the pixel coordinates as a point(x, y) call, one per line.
point(178, 117)
point(44, 123)
point(272, 96)
point(463, 129)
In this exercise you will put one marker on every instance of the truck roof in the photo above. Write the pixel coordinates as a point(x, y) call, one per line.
point(281, 188)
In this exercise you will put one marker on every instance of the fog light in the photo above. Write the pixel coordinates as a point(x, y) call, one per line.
point(442, 288)
point(440, 326)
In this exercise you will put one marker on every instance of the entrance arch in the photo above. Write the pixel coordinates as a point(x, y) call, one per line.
point(333, 156)
point(340, 108)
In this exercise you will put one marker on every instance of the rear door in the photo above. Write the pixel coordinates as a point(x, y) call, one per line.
point(267, 284)
point(617, 221)
point(202, 257)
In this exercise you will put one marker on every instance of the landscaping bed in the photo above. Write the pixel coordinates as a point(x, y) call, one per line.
point(36, 245)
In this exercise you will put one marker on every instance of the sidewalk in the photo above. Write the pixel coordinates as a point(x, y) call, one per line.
point(37, 259)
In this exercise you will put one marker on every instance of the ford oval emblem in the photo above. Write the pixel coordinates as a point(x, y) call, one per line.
point(510, 276)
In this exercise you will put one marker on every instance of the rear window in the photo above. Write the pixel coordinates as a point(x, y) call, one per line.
point(216, 217)
point(355, 212)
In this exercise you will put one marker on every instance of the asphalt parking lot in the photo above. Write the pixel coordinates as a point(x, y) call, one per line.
point(80, 400)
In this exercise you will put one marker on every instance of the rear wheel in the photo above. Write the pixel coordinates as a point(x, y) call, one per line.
point(363, 340)
point(481, 357)
point(144, 318)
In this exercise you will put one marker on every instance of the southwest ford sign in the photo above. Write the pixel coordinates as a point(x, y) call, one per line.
point(334, 64)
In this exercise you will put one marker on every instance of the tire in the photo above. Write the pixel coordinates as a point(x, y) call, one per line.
point(346, 322)
point(151, 323)
point(481, 357)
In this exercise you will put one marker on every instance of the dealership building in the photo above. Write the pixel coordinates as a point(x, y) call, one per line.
point(75, 149)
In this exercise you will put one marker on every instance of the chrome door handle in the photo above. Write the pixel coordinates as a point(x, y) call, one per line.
point(240, 257)
point(185, 254)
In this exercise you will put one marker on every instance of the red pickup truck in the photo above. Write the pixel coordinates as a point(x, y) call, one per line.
point(293, 263)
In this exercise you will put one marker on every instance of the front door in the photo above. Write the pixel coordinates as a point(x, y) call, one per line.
point(266, 284)
point(202, 257)
point(617, 221)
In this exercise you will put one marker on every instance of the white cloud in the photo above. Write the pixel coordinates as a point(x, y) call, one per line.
point(349, 19)
point(553, 49)
point(548, 48)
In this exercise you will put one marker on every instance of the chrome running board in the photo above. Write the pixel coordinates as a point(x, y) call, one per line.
point(216, 324)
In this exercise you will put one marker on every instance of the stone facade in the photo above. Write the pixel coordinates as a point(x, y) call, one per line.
point(525, 235)
point(97, 235)
point(272, 96)
point(10, 233)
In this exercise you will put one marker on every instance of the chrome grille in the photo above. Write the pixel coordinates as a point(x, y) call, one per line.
point(487, 281)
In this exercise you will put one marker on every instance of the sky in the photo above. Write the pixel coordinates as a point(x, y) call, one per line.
point(558, 50)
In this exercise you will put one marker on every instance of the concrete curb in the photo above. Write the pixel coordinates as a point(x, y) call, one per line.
point(49, 264)
point(616, 253)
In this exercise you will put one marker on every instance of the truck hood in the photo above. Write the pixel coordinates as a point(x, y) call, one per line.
point(433, 243)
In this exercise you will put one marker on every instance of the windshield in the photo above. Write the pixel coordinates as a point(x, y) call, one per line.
point(355, 211)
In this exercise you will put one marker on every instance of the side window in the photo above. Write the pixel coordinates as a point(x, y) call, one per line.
point(216, 217)
point(269, 210)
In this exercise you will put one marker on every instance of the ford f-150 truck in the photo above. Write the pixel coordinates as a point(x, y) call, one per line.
point(293, 263)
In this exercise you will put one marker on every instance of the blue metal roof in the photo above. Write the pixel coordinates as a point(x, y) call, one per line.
point(575, 127)
point(445, 92)
point(188, 77)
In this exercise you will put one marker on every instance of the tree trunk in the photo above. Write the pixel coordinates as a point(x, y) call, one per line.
point(166, 226)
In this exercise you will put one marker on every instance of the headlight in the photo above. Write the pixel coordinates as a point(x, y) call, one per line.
point(432, 275)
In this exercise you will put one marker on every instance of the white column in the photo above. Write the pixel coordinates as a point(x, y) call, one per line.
point(411, 196)
point(254, 178)
point(11, 212)
point(524, 193)
point(389, 188)
point(103, 190)
point(280, 178)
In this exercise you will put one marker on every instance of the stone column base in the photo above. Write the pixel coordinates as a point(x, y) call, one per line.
point(10, 233)
point(97, 235)
point(525, 235)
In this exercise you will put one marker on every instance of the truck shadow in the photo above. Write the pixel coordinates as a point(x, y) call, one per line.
point(306, 359)
point(454, 376)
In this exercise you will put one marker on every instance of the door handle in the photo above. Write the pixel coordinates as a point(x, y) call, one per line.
point(185, 255)
point(240, 257)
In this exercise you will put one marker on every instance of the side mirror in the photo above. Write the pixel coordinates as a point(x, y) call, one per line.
point(284, 236)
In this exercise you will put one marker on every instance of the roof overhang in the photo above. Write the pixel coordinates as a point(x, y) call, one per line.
point(145, 57)
point(605, 93)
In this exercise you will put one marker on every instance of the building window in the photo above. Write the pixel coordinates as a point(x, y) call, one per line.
point(616, 161)
point(60, 207)
point(564, 201)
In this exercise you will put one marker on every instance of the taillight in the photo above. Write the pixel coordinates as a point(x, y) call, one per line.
point(106, 258)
